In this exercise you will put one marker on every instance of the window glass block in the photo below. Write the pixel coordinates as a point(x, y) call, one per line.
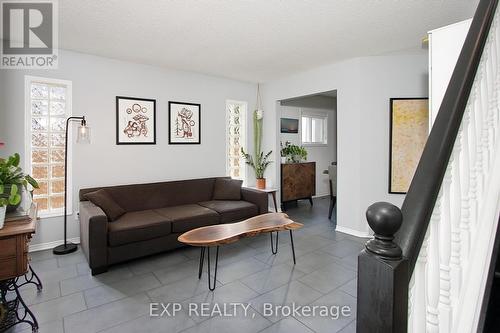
point(57, 124)
point(57, 171)
point(40, 172)
point(39, 140)
point(57, 186)
point(57, 139)
point(39, 108)
point(39, 91)
point(56, 201)
point(58, 93)
point(39, 156)
point(42, 203)
point(43, 188)
point(57, 108)
point(39, 124)
point(57, 156)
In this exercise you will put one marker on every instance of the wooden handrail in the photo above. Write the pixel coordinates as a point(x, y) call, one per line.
point(424, 189)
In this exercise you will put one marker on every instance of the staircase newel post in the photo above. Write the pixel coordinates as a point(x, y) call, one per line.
point(382, 275)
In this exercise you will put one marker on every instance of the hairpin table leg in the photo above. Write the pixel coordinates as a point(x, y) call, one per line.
point(293, 247)
point(208, 264)
point(274, 249)
point(202, 258)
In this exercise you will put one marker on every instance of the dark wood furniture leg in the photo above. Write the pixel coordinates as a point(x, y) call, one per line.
point(311, 201)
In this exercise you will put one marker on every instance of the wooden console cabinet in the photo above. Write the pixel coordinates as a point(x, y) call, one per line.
point(14, 241)
point(298, 181)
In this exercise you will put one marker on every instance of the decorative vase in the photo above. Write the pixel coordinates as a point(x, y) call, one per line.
point(261, 183)
point(2, 216)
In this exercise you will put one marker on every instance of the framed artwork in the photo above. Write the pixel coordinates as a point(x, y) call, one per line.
point(135, 121)
point(409, 129)
point(184, 123)
point(289, 125)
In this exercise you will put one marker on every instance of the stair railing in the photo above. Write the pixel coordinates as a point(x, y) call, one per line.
point(425, 269)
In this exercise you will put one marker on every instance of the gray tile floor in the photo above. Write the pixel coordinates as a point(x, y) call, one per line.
point(119, 300)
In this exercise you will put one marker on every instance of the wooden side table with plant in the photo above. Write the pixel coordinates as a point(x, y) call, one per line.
point(16, 229)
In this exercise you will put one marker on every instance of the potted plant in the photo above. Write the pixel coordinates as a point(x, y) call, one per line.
point(12, 197)
point(260, 161)
point(293, 153)
point(12, 177)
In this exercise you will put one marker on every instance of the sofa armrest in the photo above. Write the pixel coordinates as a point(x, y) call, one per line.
point(94, 236)
point(256, 197)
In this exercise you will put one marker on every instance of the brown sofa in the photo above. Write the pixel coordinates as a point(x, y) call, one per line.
point(155, 215)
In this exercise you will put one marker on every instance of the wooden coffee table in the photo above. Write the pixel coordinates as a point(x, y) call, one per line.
point(216, 235)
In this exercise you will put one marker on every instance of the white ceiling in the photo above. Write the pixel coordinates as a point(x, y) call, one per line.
point(248, 40)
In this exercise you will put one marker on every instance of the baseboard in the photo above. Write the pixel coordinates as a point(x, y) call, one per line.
point(51, 245)
point(352, 232)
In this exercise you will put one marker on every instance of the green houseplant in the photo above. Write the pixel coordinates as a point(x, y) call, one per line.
point(293, 153)
point(13, 180)
point(260, 161)
point(12, 197)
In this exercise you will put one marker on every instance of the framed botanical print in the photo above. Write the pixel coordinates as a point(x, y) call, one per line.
point(409, 129)
point(184, 123)
point(135, 121)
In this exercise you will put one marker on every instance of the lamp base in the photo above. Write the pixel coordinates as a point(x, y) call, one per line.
point(65, 248)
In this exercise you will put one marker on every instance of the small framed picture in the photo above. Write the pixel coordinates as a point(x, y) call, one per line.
point(184, 123)
point(135, 121)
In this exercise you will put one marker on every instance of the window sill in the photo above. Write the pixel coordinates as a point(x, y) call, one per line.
point(315, 144)
point(53, 214)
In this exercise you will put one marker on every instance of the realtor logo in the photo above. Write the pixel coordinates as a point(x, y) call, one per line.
point(29, 34)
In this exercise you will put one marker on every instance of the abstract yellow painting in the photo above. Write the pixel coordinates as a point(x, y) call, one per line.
point(408, 134)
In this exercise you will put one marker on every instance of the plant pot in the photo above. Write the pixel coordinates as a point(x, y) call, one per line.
point(13, 208)
point(261, 183)
point(2, 216)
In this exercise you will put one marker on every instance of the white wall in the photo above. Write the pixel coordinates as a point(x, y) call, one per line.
point(323, 155)
point(364, 86)
point(96, 82)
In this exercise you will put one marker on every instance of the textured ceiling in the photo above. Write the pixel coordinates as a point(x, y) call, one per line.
point(255, 40)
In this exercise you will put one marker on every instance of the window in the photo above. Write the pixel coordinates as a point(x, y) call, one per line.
point(48, 104)
point(235, 139)
point(314, 129)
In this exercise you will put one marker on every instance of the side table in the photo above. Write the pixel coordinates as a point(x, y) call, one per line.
point(271, 191)
point(15, 270)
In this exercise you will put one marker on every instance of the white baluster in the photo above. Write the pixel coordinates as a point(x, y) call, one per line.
point(411, 300)
point(464, 185)
point(432, 280)
point(455, 216)
point(419, 304)
point(444, 242)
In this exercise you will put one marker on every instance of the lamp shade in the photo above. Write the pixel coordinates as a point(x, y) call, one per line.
point(83, 134)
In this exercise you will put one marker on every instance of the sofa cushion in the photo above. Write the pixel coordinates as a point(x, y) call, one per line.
point(230, 210)
point(187, 217)
point(104, 200)
point(227, 189)
point(138, 226)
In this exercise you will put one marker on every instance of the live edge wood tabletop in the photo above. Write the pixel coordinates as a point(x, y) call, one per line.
point(15, 237)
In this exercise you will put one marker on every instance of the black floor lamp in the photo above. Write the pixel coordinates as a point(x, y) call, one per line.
point(83, 137)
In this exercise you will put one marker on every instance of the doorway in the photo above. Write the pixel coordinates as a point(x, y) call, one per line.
point(307, 140)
